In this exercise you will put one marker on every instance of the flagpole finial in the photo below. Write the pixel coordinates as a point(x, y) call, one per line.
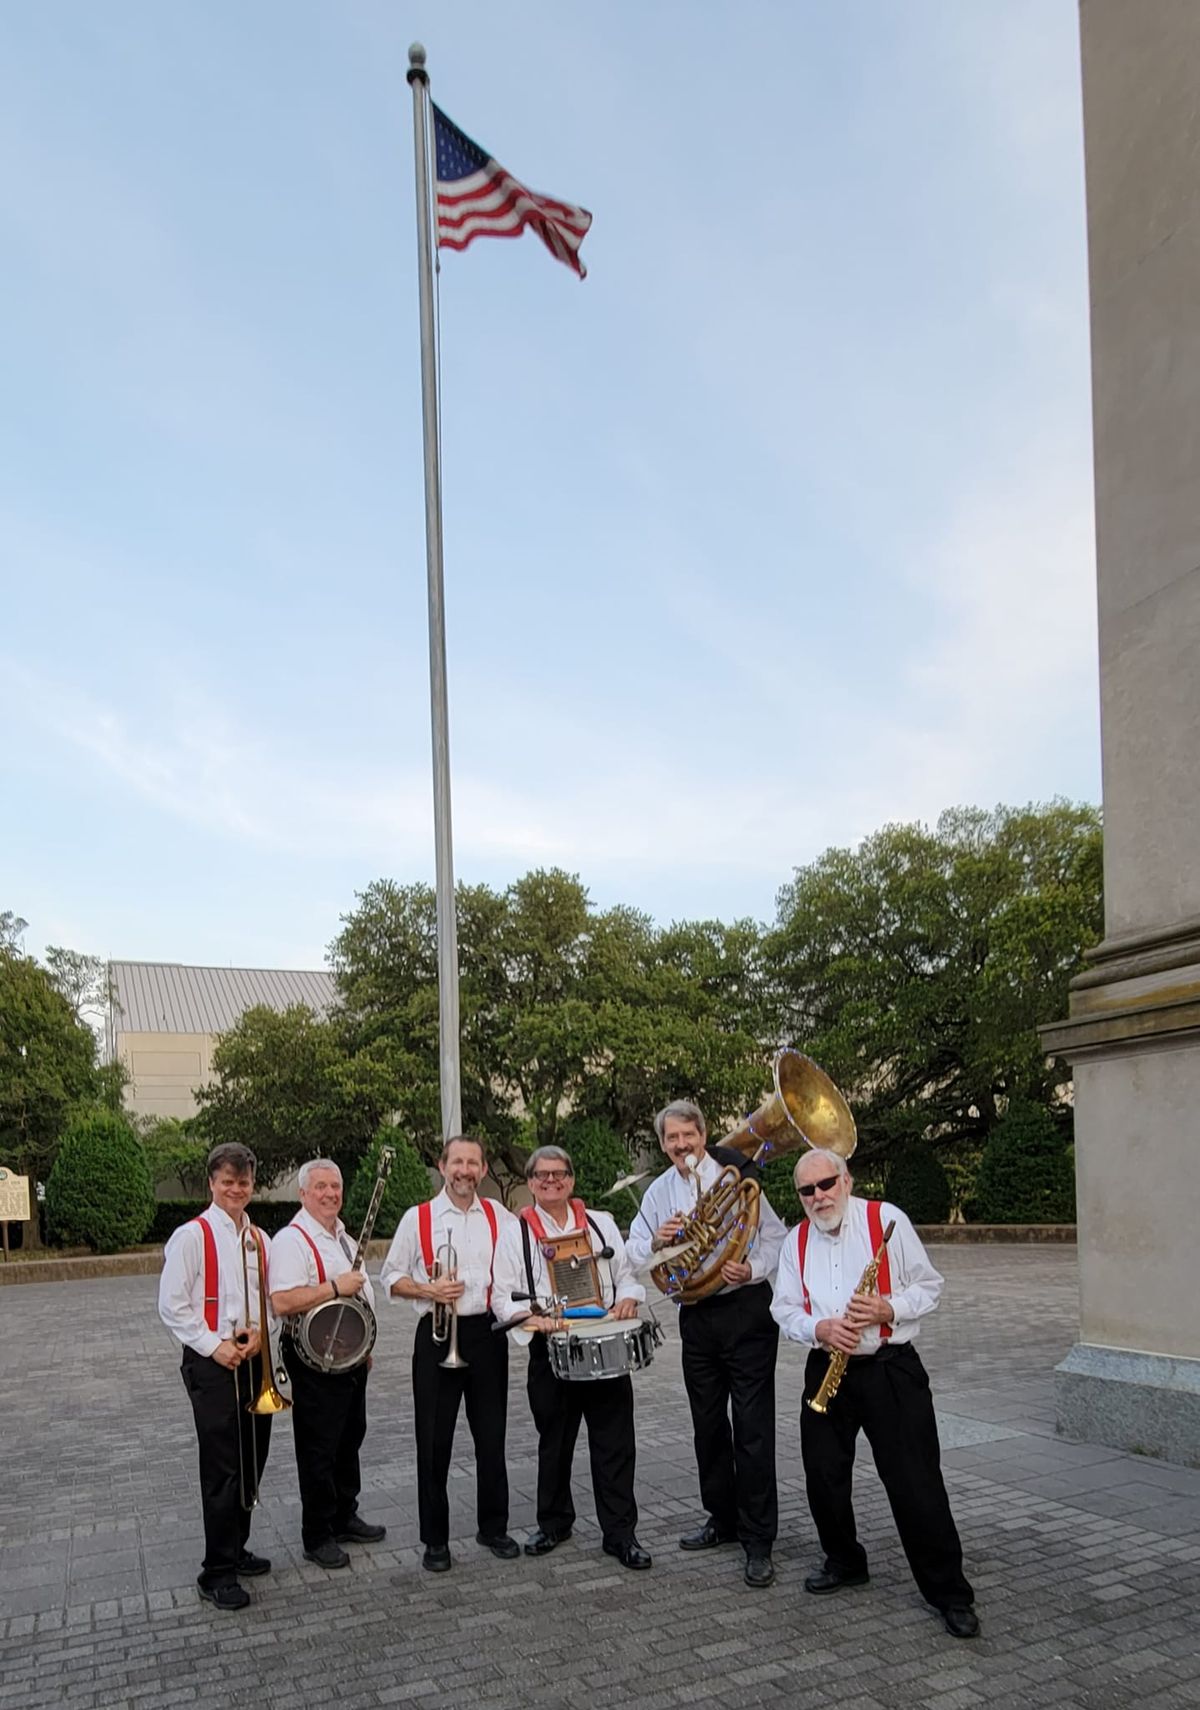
point(416, 64)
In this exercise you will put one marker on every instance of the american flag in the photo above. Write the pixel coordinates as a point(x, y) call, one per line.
point(477, 198)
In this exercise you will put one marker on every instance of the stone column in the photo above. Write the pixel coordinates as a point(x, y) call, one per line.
point(1133, 1035)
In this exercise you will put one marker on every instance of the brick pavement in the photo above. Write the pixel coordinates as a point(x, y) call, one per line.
point(1086, 1561)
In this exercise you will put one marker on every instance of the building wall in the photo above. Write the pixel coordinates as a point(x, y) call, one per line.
point(163, 1070)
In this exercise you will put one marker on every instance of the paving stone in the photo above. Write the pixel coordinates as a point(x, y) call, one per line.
point(1085, 1560)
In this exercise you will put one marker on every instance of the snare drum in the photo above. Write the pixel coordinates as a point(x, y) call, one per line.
point(602, 1348)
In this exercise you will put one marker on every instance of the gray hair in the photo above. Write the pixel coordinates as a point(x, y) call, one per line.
point(554, 1153)
point(683, 1110)
point(833, 1159)
point(306, 1170)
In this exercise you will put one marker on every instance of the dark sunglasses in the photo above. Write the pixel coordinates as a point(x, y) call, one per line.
point(825, 1183)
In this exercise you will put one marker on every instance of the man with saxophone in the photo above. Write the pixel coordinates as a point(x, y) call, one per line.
point(311, 1262)
point(441, 1259)
point(560, 1407)
point(883, 1391)
point(730, 1343)
point(211, 1297)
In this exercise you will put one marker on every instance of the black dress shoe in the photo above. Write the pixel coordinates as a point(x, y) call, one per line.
point(328, 1555)
point(357, 1531)
point(760, 1569)
point(541, 1543)
point(709, 1537)
point(250, 1566)
point(436, 1560)
point(503, 1546)
point(829, 1579)
point(630, 1554)
point(231, 1595)
point(962, 1621)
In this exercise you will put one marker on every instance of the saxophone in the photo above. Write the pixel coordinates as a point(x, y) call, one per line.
point(868, 1283)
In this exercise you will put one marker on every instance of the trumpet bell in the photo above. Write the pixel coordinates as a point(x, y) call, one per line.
point(805, 1109)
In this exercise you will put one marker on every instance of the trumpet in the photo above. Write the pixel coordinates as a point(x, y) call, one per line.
point(269, 1400)
point(445, 1313)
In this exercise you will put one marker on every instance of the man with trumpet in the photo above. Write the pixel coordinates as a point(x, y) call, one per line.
point(559, 1407)
point(442, 1259)
point(212, 1297)
point(884, 1391)
point(730, 1343)
point(312, 1263)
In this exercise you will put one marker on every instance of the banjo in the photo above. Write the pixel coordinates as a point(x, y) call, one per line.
point(338, 1335)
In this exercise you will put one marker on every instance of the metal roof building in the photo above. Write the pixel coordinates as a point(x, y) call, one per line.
point(165, 1019)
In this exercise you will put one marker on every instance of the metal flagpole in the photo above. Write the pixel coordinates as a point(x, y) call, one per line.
point(447, 933)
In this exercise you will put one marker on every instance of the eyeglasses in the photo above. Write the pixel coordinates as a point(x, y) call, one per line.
point(807, 1189)
point(551, 1176)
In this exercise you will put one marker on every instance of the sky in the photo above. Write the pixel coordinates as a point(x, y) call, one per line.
point(775, 529)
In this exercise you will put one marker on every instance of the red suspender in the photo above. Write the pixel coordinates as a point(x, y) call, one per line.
point(489, 1211)
point(530, 1214)
point(801, 1249)
point(212, 1299)
point(425, 1233)
point(884, 1280)
point(875, 1234)
point(320, 1267)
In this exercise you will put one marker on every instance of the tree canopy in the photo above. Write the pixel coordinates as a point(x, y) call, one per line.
point(47, 1065)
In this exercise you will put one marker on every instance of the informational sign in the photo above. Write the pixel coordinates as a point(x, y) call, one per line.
point(14, 1197)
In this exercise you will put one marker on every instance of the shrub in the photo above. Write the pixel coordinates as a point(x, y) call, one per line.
point(780, 1189)
point(408, 1183)
point(171, 1214)
point(600, 1158)
point(99, 1193)
point(1026, 1174)
point(174, 1154)
point(919, 1185)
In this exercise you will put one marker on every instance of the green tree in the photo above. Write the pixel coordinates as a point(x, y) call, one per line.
point(99, 1192)
point(85, 982)
point(292, 1086)
point(599, 1157)
point(408, 1183)
point(12, 931)
point(917, 968)
point(1027, 1173)
point(175, 1153)
point(47, 1065)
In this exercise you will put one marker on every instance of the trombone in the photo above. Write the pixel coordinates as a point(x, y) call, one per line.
point(445, 1313)
point(269, 1400)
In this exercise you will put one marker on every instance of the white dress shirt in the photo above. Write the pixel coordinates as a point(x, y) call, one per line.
point(181, 1286)
point(673, 1195)
point(292, 1261)
point(471, 1235)
point(833, 1265)
point(617, 1281)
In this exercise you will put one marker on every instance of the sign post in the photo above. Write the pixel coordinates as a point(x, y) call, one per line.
point(14, 1203)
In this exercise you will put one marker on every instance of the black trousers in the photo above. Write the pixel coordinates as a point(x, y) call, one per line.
point(730, 1344)
point(483, 1384)
point(558, 1408)
point(233, 1453)
point(329, 1415)
point(886, 1395)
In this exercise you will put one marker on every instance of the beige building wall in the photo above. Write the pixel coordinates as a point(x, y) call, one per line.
point(164, 1069)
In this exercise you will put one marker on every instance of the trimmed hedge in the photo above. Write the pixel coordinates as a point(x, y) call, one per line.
point(1027, 1173)
point(918, 1184)
point(408, 1184)
point(170, 1214)
point(99, 1194)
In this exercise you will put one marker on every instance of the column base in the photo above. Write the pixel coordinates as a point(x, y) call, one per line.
point(1146, 1403)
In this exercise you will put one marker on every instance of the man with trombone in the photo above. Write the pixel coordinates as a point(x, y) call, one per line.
point(442, 1259)
point(212, 1297)
point(312, 1263)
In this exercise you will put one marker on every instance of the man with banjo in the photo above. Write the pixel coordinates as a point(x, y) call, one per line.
point(441, 1259)
point(327, 1354)
point(528, 1268)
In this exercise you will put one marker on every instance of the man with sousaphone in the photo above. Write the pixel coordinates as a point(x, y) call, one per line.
point(441, 1260)
point(212, 1297)
point(566, 1288)
point(320, 1289)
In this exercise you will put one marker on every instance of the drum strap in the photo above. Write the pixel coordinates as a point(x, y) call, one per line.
point(316, 1255)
